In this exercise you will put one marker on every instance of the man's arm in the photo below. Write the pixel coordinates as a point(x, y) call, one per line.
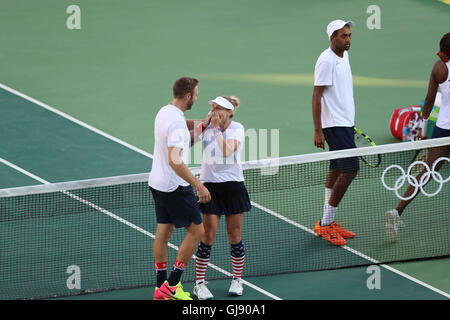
point(194, 138)
point(319, 139)
point(177, 164)
point(191, 123)
point(196, 127)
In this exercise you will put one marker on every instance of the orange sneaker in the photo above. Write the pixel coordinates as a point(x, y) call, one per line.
point(329, 233)
point(346, 234)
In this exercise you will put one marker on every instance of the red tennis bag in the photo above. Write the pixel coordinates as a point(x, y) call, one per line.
point(404, 117)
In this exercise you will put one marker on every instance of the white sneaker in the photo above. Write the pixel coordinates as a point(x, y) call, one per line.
point(236, 287)
point(202, 292)
point(393, 222)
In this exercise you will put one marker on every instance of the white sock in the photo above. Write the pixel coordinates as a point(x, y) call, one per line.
point(328, 192)
point(328, 215)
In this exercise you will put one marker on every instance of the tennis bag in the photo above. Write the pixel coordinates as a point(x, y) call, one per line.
point(406, 117)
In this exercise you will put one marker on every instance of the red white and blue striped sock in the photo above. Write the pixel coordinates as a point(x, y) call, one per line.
point(201, 261)
point(237, 259)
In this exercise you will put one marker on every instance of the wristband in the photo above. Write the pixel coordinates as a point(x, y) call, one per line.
point(200, 188)
point(424, 127)
point(198, 130)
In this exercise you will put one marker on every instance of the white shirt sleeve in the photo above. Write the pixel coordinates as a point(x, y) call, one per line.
point(176, 134)
point(323, 72)
point(236, 133)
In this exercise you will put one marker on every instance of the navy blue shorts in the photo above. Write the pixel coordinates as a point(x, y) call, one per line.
point(440, 133)
point(179, 207)
point(226, 198)
point(340, 138)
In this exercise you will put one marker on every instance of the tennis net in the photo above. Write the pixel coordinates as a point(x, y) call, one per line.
point(97, 235)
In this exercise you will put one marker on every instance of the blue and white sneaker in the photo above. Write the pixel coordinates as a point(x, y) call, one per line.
point(202, 292)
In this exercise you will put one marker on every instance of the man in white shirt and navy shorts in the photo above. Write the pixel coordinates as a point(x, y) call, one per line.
point(333, 114)
point(171, 183)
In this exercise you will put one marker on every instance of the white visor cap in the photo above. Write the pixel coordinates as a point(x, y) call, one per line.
point(337, 25)
point(221, 101)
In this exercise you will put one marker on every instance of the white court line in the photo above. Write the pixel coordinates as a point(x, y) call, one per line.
point(362, 255)
point(426, 285)
point(255, 204)
point(81, 123)
point(131, 225)
point(25, 172)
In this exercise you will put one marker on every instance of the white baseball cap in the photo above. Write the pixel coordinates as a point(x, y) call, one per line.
point(221, 101)
point(337, 25)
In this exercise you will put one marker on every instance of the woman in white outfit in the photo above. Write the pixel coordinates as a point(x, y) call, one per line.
point(439, 78)
point(222, 174)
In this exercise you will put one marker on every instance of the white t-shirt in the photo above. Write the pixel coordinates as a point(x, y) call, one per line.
point(170, 131)
point(338, 106)
point(443, 120)
point(216, 167)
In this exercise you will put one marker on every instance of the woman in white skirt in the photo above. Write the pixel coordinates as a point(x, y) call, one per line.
point(221, 172)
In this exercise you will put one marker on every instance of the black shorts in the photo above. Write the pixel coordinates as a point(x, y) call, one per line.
point(226, 198)
point(340, 138)
point(440, 133)
point(179, 207)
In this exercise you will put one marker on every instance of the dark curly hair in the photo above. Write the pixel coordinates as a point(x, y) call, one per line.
point(444, 44)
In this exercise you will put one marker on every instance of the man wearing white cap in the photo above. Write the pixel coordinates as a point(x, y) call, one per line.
point(222, 174)
point(333, 114)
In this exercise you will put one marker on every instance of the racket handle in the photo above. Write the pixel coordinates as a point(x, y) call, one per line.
point(424, 127)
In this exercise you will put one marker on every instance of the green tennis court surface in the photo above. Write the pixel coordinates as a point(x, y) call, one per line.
point(87, 235)
point(117, 70)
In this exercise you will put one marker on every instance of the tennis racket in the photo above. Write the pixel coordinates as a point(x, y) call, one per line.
point(363, 140)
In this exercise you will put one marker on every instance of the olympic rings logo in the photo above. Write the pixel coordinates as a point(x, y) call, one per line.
point(412, 180)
